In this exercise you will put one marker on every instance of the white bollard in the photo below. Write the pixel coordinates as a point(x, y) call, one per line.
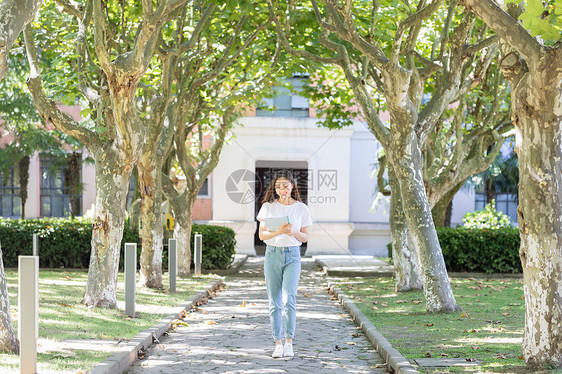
point(197, 253)
point(28, 303)
point(130, 278)
point(35, 245)
point(172, 263)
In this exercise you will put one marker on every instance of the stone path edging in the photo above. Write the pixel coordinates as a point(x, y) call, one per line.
point(394, 359)
point(122, 359)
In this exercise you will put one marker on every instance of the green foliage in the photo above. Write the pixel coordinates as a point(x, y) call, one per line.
point(542, 18)
point(479, 250)
point(65, 243)
point(488, 218)
point(218, 245)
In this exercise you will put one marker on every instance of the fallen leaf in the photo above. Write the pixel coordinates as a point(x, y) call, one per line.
point(470, 359)
point(521, 357)
point(401, 301)
point(384, 304)
point(416, 302)
point(501, 356)
point(428, 324)
point(67, 277)
point(356, 335)
point(443, 354)
point(211, 323)
point(374, 307)
point(337, 348)
point(427, 354)
point(350, 343)
point(505, 314)
point(475, 347)
point(307, 294)
point(243, 304)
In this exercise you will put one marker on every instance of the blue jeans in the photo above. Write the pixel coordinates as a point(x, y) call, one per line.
point(282, 270)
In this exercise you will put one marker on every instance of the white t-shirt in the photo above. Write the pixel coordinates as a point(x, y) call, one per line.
point(299, 217)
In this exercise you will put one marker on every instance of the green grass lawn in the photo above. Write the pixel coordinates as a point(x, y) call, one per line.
point(488, 329)
point(62, 317)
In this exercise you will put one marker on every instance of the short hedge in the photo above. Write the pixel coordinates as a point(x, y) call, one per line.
point(480, 250)
point(65, 243)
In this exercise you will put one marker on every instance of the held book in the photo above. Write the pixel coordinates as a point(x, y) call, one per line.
point(274, 223)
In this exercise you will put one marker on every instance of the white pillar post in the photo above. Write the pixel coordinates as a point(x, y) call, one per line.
point(172, 263)
point(130, 278)
point(198, 251)
point(28, 304)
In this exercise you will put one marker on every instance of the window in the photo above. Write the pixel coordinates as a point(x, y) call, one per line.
point(55, 198)
point(286, 103)
point(10, 203)
point(204, 191)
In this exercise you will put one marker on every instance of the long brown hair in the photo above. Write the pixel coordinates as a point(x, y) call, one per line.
point(271, 195)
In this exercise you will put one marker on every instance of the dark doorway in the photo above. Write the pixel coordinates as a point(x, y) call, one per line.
point(264, 174)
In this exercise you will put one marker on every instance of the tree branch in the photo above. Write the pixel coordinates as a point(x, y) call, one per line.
point(85, 85)
point(507, 28)
point(380, 177)
point(14, 16)
point(70, 9)
point(47, 108)
point(282, 39)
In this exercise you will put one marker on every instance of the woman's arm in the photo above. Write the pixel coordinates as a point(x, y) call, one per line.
point(302, 235)
point(265, 235)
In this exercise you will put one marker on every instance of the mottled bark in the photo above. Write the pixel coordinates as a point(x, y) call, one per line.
point(24, 179)
point(14, 16)
point(182, 208)
point(535, 72)
point(112, 185)
point(152, 235)
point(442, 209)
point(406, 161)
point(404, 254)
point(8, 341)
point(537, 113)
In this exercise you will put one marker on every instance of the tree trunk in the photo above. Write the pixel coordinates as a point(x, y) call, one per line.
point(24, 179)
point(406, 160)
point(8, 340)
point(404, 254)
point(150, 182)
point(112, 185)
point(14, 16)
point(537, 113)
point(182, 208)
point(443, 208)
point(74, 183)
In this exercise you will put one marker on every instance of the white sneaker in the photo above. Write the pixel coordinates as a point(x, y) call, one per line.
point(288, 350)
point(278, 352)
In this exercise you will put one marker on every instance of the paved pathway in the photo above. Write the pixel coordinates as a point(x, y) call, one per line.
point(231, 334)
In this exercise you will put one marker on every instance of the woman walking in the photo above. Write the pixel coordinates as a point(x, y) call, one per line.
point(282, 265)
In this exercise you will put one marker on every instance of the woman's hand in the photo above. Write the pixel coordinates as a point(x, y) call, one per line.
point(285, 229)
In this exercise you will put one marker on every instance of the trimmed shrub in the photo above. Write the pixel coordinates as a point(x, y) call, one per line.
point(479, 250)
point(218, 245)
point(65, 243)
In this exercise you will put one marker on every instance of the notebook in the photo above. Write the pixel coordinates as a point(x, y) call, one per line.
point(274, 223)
